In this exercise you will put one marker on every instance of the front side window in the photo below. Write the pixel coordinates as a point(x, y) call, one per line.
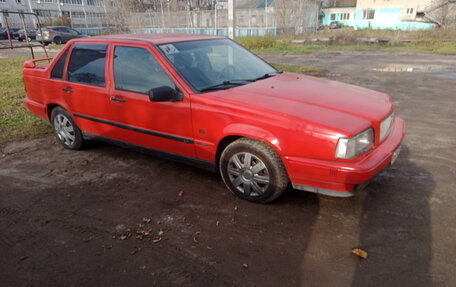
point(333, 17)
point(87, 64)
point(206, 63)
point(136, 70)
point(57, 71)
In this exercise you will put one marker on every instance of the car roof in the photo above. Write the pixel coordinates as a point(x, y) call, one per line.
point(157, 38)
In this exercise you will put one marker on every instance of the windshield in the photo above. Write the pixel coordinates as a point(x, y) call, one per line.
point(205, 64)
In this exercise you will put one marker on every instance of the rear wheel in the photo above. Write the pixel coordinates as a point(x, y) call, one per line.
point(253, 171)
point(66, 130)
point(57, 40)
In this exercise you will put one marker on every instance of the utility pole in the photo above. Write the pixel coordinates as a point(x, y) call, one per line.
point(231, 20)
point(29, 5)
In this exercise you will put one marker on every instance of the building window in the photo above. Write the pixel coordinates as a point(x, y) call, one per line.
point(409, 11)
point(45, 1)
point(333, 17)
point(345, 16)
point(71, 2)
point(2, 1)
point(46, 13)
point(368, 14)
point(93, 3)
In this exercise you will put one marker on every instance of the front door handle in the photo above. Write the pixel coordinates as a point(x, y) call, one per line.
point(67, 90)
point(112, 98)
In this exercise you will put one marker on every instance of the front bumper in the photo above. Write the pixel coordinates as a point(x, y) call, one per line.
point(343, 178)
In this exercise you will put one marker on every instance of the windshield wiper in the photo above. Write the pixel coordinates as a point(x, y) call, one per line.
point(227, 84)
point(268, 75)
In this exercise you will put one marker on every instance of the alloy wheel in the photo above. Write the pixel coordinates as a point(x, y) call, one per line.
point(248, 174)
point(64, 129)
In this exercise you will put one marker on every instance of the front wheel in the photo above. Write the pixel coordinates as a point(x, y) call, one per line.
point(65, 129)
point(253, 171)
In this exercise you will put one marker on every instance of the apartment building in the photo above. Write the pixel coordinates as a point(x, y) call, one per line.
point(381, 14)
point(82, 13)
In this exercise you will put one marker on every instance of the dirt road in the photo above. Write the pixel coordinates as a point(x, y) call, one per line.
point(114, 217)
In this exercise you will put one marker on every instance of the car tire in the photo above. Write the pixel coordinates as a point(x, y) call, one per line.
point(66, 131)
point(58, 40)
point(253, 171)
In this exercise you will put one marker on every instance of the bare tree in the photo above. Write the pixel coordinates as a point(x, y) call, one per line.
point(119, 14)
point(443, 13)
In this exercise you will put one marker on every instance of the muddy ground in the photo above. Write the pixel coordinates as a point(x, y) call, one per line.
point(114, 217)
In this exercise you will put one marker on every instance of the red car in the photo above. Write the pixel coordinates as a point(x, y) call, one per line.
point(209, 102)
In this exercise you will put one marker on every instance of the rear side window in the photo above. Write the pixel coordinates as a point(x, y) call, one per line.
point(87, 64)
point(57, 72)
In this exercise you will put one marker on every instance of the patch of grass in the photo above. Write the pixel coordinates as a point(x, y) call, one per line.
point(307, 49)
point(16, 122)
point(258, 42)
point(438, 41)
point(446, 48)
point(298, 69)
point(55, 47)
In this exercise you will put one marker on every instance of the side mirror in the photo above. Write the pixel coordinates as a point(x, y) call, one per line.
point(164, 94)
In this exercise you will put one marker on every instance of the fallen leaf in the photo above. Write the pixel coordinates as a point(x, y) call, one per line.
point(181, 194)
point(161, 232)
point(147, 220)
point(245, 265)
point(157, 240)
point(194, 240)
point(217, 223)
point(236, 208)
point(123, 237)
point(361, 253)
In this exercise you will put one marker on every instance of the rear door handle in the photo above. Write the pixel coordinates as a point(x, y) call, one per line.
point(114, 99)
point(67, 90)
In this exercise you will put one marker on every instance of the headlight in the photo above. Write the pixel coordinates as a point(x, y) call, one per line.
point(385, 127)
point(349, 148)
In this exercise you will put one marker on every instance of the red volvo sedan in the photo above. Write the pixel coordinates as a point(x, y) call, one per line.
point(207, 101)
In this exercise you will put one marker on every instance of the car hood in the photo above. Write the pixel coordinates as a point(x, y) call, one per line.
point(320, 101)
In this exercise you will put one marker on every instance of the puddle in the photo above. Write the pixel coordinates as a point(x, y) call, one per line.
point(397, 68)
point(440, 71)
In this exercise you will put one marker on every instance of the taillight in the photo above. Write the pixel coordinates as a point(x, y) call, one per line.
point(49, 32)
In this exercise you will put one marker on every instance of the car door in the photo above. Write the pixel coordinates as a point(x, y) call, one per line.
point(73, 34)
point(164, 126)
point(65, 34)
point(85, 87)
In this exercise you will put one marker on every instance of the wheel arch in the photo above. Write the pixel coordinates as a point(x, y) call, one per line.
point(237, 131)
point(50, 107)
